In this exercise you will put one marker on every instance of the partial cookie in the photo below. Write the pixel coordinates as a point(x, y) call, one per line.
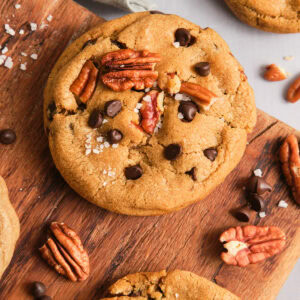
point(151, 149)
point(9, 228)
point(167, 285)
point(275, 16)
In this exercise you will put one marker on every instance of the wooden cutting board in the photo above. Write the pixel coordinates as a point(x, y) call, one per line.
point(118, 244)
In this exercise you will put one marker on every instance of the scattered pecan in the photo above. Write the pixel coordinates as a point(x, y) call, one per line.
point(251, 244)
point(151, 110)
point(293, 93)
point(274, 73)
point(128, 69)
point(84, 85)
point(202, 96)
point(290, 160)
point(64, 252)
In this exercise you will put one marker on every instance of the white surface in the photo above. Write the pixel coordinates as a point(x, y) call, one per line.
point(254, 49)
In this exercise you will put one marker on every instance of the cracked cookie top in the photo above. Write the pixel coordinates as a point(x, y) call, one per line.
point(171, 285)
point(282, 16)
point(148, 113)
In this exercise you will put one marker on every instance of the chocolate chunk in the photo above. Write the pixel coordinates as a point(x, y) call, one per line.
point(192, 173)
point(172, 151)
point(38, 289)
point(182, 36)
point(243, 214)
point(203, 68)
point(95, 119)
point(114, 136)
point(188, 110)
point(44, 297)
point(211, 153)
point(112, 108)
point(156, 12)
point(7, 136)
point(257, 185)
point(133, 172)
point(89, 42)
point(257, 202)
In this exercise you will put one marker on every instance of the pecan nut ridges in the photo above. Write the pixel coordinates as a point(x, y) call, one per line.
point(251, 244)
point(129, 69)
point(290, 160)
point(64, 252)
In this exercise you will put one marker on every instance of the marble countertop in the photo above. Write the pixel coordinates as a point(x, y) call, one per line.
point(254, 49)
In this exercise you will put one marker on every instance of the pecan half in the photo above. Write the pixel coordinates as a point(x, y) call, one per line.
point(251, 244)
point(202, 96)
point(274, 73)
point(64, 252)
point(293, 93)
point(128, 69)
point(151, 110)
point(290, 160)
point(84, 85)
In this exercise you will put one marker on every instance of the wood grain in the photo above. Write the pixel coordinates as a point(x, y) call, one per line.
point(118, 244)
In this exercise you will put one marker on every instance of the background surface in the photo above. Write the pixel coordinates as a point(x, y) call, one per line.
point(254, 49)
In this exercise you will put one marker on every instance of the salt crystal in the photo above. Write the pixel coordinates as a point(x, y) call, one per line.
point(257, 172)
point(23, 54)
point(4, 50)
point(33, 26)
point(147, 98)
point(147, 90)
point(106, 144)
point(139, 105)
point(104, 121)
point(21, 31)
point(110, 174)
point(88, 151)
point(262, 214)
point(88, 146)
point(178, 97)
point(136, 110)
point(100, 139)
point(49, 18)
point(115, 146)
point(17, 6)
point(8, 63)
point(9, 30)
point(101, 146)
point(180, 116)
point(34, 56)
point(104, 183)
point(2, 59)
point(282, 204)
point(23, 66)
point(176, 44)
point(96, 151)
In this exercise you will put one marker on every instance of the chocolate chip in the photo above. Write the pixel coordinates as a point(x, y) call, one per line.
point(133, 172)
point(114, 136)
point(119, 44)
point(182, 36)
point(257, 185)
point(192, 173)
point(44, 297)
point(211, 153)
point(243, 214)
point(112, 108)
point(89, 42)
point(188, 110)
point(156, 12)
point(203, 68)
point(95, 119)
point(7, 136)
point(38, 289)
point(257, 202)
point(50, 111)
point(172, 151)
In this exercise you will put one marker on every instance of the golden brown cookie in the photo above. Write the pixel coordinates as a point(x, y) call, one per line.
point(173, 285)
point(9, 228)
point(103, 142)
point(280, 16)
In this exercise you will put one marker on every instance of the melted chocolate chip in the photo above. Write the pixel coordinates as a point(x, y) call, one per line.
point(243, 214)
point(114, 136)
point(156, 12)
point(188, 110)
point(182, 36)
point(257, 202)
point(172, 151)
point(95, 119)
point(7, 136)
point(192, 173)
point(89, 42)
point(133, 172)
point(112, 108)
point(257, 185)
point(203, 68)
point(211, 153)
point(38, 289)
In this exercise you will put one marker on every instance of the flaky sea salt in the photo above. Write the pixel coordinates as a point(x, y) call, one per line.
point(33, 26)
point(4, 50)
point(282, 204)
point(23, 66)
point(104, 121)
point(99, 139)
point(96, 151)
point(180, 116)
point(106, 144)
point(115, 146)
point(34, 56)
point(104, 183)
point(262, 214)
point(258, 172)
point(49, 18)
point(147, 90)
point(176, 44)
point(9, 30)
point(178, 97)
point(139, 105)
point(2, 59)
point(8, 63)
point(21, 32)
point(147, 98)
point(17, 6)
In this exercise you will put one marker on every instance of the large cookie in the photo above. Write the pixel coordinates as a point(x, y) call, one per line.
point(208, 142)
point(282, 16)
point(9, 228)
point(177, 285)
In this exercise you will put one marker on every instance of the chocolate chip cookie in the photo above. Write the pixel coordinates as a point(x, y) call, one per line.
point(176, 284)
point(9, 228)
point(280, 16)
point(147, 114)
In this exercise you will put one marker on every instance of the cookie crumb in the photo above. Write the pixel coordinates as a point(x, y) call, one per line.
point(4, 50)
point(262, 214)
point(33, 26)
point(9, 30)
point(289, 57)
point(49, 18)
point(282, 204)
point(176, 44)
point(17, 6)
point(8, 63)
point(258, 172)
point(23, 67)
point(34, 56)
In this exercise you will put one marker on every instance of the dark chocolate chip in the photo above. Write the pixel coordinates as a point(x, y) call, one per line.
point(188, 110)
point(156, 12)
point(95, 119)
point(257, 185)
point(203, 68)
point(257, 202)
point(38, 289)
point(51, 110)
point(182, 36)
point(211, 153)
point(192, 173)
point(243, 214)
point(89, 42)
point(119, 44)
point(44, 297)
point(112, 108)
point(133, 172)
point(114, 136)
point(172, 151)
point(7, 136)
